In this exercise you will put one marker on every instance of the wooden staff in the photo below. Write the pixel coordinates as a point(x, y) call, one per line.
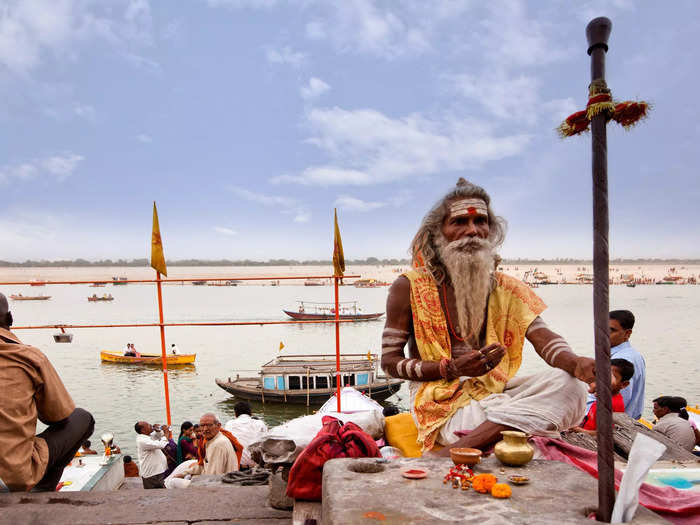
point(597, 34)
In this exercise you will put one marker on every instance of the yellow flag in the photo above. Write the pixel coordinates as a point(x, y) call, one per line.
point(281, 345)
point(157, 257)
point(338, 256)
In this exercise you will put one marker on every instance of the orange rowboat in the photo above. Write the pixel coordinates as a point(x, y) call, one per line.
point(147, 359)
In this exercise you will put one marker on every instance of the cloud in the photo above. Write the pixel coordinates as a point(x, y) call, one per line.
point(346, 202)
point(286, 205)
point(30, 30)
point(360, 26)
point(503, 97)
point(225, 231)
point(368, 147)
point(84, 110)
point(143, 138)
point(267, 200)
point(252, 4)
point(58, 166)
point(315, 88)
point(286, 55)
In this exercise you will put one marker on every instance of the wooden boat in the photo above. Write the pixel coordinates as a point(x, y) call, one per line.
point(323, 311)
point(229, 282)
point(97, 285)
point(95, 298)
point(369, 283)
point(146, 359)
point(20, 297)
point(37, 282)
point(119, 281)
point(199, 283)
point(311, 379)
point(314, 282)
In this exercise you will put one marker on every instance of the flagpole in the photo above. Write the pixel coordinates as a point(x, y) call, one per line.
point(337, 341)
point(162, 348)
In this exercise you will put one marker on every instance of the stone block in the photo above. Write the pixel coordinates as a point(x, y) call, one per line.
point(557, 494)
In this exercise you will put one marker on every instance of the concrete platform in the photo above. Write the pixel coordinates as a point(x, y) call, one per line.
point(557, 494)
point(211, 503)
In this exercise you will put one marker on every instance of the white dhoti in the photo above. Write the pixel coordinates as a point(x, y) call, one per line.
point(543, 404)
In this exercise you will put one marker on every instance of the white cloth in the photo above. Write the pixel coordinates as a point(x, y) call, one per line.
point(543, 404)
point(247, 431)
point(151, 458)
point(220, 457)
point(173, 482)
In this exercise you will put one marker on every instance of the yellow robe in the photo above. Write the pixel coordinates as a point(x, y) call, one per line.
point(512, 307)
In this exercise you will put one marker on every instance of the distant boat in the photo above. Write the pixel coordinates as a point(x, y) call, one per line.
point(95, 298)
point(119, 281)
point(199, 283)
point(324, 311)
point(311, 379)
point(369, 283)
point(20, 297)
point(314, 282)
point(147, 359)
point(631, 285)
point(229, 282)
point(97, 285)
point(37, 282)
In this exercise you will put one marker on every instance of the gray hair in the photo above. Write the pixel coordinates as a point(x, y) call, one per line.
point(424, 250)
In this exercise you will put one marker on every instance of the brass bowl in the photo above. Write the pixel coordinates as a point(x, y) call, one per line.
point(465, 456)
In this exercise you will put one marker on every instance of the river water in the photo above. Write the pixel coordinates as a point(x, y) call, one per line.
point(119, 395)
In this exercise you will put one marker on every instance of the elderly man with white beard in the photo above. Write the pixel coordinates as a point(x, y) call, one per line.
point(465, 325)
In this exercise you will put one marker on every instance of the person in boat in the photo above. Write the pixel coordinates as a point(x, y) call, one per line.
point(174, 350)
point(672, 421)
point(129, 351)
point(85, 448)
point(33, 389)
point(621, 325)
point(247, 429)
point(621, 371)
point(465, 326)
point(216, 452)
point(150, 442)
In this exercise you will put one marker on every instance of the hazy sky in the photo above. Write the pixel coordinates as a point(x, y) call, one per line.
point(248, 121)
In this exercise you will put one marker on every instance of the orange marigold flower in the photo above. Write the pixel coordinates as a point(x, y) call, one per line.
point(483, 482)
point(501, 490)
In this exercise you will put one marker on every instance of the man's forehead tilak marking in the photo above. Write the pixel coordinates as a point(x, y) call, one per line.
point(468, 207)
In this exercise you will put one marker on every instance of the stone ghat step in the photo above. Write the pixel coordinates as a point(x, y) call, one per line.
point(208, 504)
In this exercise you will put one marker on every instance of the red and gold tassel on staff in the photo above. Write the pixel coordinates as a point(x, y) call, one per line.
point(600, 100)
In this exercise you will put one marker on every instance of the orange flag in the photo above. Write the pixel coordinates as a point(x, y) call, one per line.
point(281, 346)
point(157, 257)
point(338, 256)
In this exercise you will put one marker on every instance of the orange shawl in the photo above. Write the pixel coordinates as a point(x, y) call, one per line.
point(201, 449)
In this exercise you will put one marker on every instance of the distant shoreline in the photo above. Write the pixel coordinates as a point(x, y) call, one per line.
point(369, 261)
point(554, 273)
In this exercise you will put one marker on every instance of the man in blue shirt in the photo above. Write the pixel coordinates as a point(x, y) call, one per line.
point(621, 324)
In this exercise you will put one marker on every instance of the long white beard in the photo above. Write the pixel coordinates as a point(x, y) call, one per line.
point(469, 263)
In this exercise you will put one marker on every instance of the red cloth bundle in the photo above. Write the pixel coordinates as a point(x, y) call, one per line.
point(334, 440)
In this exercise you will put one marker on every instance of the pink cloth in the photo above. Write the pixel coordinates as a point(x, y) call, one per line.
point(677, 506)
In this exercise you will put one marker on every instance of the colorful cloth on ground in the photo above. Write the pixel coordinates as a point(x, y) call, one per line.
point(618, 405)
point(512, 306)
point(681, 507)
